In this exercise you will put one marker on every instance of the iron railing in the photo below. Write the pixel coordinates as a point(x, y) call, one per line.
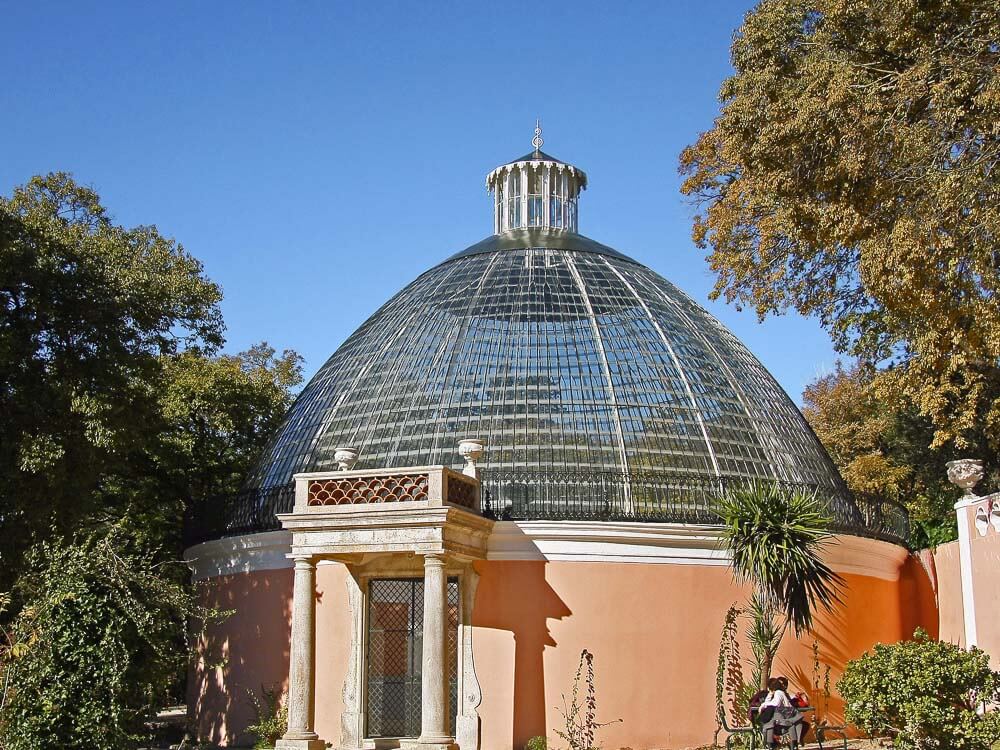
point(526, 495)
point(532, 495)
point(246, 512)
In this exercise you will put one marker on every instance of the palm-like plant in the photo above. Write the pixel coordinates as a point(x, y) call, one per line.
point(776, 538)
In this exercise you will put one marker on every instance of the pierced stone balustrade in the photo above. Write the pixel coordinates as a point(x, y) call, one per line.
point(423, 486)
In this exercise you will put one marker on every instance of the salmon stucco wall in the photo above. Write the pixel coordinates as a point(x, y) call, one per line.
point(654, 632)
point(986, 582)
point(653, 628)
point(333, 647)
point(246, 650)
point(249, 649)
point(949, 593)
point(984, 548)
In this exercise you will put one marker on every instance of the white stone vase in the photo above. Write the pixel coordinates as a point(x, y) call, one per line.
point(346, 457)
point(471, 449)
point(965, 473)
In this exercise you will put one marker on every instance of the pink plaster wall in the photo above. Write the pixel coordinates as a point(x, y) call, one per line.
point(654, 630)
point(949, 593)
point(333, 646)
point(985, 582)
point(986, 585)
point(248, 649)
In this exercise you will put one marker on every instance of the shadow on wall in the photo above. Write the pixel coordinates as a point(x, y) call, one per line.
point(248, 649)
point(872, 612)
point(515, 596)
point(831, 638)
point(918, 596)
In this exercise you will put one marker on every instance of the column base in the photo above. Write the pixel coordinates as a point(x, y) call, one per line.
point(429, 743)
point(285, 744)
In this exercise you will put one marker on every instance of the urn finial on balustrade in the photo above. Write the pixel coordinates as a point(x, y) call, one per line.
point(965, 473)
point(346, 457)
point(471, 449)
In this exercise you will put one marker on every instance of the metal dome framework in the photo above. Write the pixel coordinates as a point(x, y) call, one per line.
point(600, 389)
point(560, 360)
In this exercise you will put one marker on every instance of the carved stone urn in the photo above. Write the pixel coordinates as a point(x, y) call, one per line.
point(471, 449)
point(965, 473)
point(346, 457)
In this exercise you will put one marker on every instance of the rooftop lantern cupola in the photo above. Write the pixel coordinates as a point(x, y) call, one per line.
point(535, 191)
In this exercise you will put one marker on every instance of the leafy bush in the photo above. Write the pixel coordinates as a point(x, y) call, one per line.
point(271, 711)
point(94, 648)
point(924, 694)
point(536, 743)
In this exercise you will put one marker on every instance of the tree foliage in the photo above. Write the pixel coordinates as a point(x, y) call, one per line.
point(88, 310)
point(114, 403)
point(117, 412)
point(94, 647)
point(852, 174)
point(884, 452)
point(924, 694)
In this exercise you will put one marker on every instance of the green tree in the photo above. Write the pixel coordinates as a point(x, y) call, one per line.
point(89, 309)
point(92, 652)
point(117, 412)
point(924, 693)
point(115, 405)
point(776, 538)
point(852, 175)
point(216, 413)
point(884, 452)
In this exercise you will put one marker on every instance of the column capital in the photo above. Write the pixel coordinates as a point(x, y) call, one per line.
point(303, 562)
point(434, 560)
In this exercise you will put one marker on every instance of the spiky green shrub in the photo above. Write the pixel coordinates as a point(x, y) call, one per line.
point(776, 538)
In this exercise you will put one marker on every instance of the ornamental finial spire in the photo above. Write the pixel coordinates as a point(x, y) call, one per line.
point(537, 140)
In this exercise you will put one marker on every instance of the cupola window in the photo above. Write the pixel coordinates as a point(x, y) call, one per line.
point(535, 191)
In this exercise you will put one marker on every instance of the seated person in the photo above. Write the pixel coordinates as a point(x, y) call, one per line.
point(778, 715)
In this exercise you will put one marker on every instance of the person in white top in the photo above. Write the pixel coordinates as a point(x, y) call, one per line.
point(783, 713)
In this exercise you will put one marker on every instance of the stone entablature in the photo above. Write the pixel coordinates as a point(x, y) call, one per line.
point(365, 513)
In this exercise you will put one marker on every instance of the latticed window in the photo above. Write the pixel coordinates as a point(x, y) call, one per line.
point(395, 652)
point(514, 199)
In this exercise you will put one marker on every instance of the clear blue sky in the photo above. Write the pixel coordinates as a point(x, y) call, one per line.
point(317, 156)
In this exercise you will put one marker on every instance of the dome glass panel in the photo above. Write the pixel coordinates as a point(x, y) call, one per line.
point(563, 356)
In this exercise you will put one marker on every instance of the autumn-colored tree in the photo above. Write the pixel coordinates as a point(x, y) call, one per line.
point(853, 174)
point(883, 452)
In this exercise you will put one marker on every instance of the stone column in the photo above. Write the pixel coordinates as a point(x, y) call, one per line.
point(434, 680)
point(966, 473)
point(962, 509)
point(301, 678)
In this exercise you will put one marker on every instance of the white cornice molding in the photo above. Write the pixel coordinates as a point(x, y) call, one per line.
point(240, 554)
point(675, 544)
point(604, 541)
point(565, 541)
point(970, 501)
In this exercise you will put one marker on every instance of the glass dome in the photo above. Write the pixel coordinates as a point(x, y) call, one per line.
point(563, 355)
